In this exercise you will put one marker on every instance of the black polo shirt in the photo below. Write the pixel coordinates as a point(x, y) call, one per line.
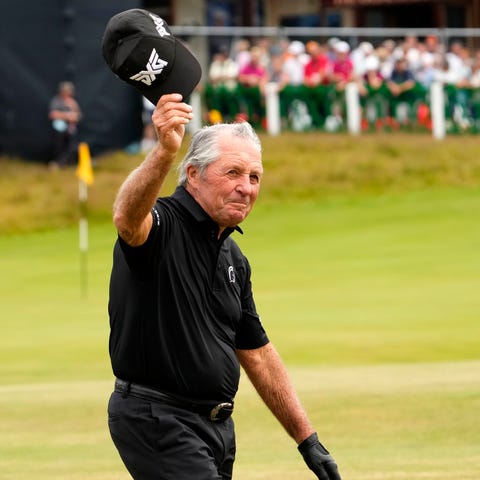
point(181, 304)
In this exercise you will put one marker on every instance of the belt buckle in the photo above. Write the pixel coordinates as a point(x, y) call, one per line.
point(214, 412)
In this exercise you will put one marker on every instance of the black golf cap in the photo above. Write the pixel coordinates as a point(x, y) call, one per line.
point(139, 47)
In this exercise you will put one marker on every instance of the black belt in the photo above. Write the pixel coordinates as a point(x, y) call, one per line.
point(215, 412)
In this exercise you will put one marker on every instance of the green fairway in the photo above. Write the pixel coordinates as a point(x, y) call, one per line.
point(372, 301)
point(397, 422)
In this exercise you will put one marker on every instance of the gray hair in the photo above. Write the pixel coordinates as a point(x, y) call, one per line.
point(204, 150)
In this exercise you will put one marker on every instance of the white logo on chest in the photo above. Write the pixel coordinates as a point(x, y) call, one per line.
point(231, 274)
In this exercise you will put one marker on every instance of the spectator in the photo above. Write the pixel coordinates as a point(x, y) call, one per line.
point(241, 53)
point(221, 88)
point(401, 80)
point(373, 93)
point(253, 74)
point(409, 49)
point(342, 74)
point(425, 75)
point(291, 86)
point(275, 69)
point(359, 56)
point(318, 68)
point(475, 76)
point(294, 64)
point(331, 48)
point(316, 79)
point(454, 57)
point(462, 114)
point(442, 73)
point(432, 44)
point(223, 70)
point(342, 69)
point(400, 85)
point(267, 50)
point(372, 80)
point(449, 73)
point(252, 79)
point(387, 57)
point(464, 71)
point(64, 112)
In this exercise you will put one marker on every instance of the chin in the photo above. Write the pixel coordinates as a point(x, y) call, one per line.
point(234, 221)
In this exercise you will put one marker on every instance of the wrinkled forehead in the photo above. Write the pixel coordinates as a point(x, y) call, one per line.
point(236, 143)
point(242, 152)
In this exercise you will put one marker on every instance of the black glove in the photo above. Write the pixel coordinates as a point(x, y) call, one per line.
point(319, 461)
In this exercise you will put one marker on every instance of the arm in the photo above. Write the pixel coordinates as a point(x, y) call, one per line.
point(269, 376)
point(137, 195)
point(71, 115)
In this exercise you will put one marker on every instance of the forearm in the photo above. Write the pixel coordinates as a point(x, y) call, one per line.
point(138, 194)
point(269, 376)
point(131, 210)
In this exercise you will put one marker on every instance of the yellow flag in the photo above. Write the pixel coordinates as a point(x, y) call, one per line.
point(84, 168)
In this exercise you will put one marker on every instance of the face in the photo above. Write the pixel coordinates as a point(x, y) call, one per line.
point(229, 186)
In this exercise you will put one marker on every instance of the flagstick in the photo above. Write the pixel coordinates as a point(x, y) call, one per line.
point(83, 236)
point(85, 177)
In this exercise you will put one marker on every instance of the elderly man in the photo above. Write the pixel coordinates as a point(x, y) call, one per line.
point(182, 313)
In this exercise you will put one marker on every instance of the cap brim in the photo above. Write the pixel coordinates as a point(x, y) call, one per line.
point(182, 78)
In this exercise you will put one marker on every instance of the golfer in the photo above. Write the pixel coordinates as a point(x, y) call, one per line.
point(182, 313)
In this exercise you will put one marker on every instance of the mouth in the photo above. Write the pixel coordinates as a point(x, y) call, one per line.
point(238, 203)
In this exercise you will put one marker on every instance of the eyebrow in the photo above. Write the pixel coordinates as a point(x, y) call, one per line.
point(239, 166)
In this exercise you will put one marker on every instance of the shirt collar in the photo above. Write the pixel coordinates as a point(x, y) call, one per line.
point(197, 212)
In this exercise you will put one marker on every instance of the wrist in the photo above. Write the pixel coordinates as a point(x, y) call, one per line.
point(308, 442)
point(160, 156)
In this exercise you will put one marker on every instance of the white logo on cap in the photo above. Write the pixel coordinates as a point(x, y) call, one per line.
point(159, 26)
point(154, 67)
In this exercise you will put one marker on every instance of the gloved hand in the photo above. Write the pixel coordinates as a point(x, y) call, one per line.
point(318, 459)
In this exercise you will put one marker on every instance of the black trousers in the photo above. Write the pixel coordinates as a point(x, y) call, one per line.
point(164, 442)
point(64, 148)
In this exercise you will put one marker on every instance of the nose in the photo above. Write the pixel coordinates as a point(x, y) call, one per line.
point(244, 184)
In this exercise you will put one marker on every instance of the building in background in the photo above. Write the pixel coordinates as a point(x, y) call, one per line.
point(327, 13)
point(404, 13)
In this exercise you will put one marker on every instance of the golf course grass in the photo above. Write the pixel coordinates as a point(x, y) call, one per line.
point(370, 293)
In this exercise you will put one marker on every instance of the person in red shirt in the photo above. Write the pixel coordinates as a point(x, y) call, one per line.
point(316, 79)
point(318, 69)
point(342, 69)
point(342, 74)
point(252, 79)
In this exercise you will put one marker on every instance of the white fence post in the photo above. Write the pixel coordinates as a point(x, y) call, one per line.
point(353, 108)
point(196, 103)
point(437, 107)
point(272, 108)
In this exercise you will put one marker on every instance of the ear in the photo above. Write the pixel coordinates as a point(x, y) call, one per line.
point(192, 174)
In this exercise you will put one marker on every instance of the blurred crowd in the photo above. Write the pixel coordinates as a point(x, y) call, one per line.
point(393, 81)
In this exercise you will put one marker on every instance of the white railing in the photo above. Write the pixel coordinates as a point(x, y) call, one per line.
point(353, 110)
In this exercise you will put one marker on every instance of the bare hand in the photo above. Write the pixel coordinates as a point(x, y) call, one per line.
point(169, 119)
